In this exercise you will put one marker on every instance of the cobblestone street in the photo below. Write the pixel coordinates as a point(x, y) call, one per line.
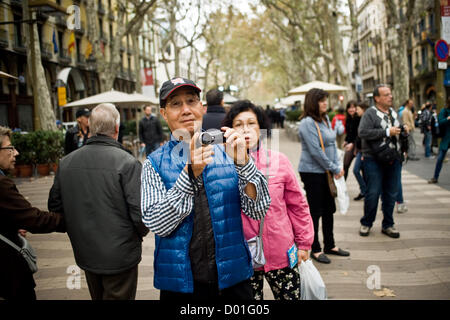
point(415, 266)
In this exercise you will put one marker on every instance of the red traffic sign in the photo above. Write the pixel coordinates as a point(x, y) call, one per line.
point(441, 50)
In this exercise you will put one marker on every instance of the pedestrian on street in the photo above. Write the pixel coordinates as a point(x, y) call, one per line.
point(314, 163)
point(77, 136)
point(288, 221)
point(150, 131)
point(425, 128)
point(361, 107)
point(444, 125)
point(97, 189)
point(407, 118)
point(338, 125)
point(351, 128)
point(434, 123)
point(379, 131)
point(16, 216)
point(215, 112)
point(192, 197)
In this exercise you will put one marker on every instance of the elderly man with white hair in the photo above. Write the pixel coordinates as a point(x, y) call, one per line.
point(97, 189)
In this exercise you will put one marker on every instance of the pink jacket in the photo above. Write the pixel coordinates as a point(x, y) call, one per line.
point(288, 219)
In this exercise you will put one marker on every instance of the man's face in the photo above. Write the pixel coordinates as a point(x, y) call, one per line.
point(410, 104)
point(385, 98)
point(84, 121)
point(183, 111)
point(7, 155)
point(148, 111)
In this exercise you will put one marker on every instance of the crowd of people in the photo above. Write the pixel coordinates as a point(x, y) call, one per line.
point(205, 201)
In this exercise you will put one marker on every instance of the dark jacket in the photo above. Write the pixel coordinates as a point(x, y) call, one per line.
point(74, 139)
point(213, 117)
point(372, 130)
point(150, 130)
point(16, 279)
point(351, 127)
point(97, 189)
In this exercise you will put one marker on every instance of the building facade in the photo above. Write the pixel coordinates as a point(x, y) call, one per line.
point(375, 63)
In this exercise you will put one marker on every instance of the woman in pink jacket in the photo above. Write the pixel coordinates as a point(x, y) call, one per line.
point(288, 222)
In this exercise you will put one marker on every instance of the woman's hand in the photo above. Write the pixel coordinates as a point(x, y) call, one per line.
point(302, 255)
point(339, 175)
point(235, 146)
point(349, 147)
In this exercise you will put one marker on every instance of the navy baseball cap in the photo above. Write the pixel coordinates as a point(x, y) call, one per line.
point(171, 85)
point(82, 112)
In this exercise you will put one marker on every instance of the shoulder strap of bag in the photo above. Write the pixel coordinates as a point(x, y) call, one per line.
point(320, 136)
point(12, 244)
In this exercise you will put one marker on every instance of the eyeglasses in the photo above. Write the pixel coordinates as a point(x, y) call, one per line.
point(10, 148)
point(178, 103)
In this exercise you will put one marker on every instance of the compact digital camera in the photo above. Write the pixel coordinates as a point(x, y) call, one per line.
point(211, 137)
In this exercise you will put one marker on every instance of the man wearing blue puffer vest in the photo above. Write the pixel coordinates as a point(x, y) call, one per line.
point(192, 197)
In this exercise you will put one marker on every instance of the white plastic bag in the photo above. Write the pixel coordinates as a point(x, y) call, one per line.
point(342, 195)
point(312, 286)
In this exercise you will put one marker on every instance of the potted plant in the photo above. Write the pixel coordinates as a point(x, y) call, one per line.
point(55, 148)
point(42, 156)
point(24, 161)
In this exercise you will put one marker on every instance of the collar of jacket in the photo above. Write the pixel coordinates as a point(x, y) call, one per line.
point(105, 140)
point(215, 109)
point(1, 172)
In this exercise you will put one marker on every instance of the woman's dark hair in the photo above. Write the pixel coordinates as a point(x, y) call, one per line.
point(349, 104)
point(242, 106)
point(312, 100)
point(363, 105)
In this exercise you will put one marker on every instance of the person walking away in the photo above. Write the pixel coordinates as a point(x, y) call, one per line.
point(192, 197)
point(150, 131)
point(313, 167)
point(434, 129)
point(425, 122)
point(361, 107)
point(77, 136)
point(215, 112)
point(407, 118)
point(444, 128)
point(351, 128)
point(97, 190)
point(379, 130)
point(16, 216)
point(288, 221)
point(338, 125)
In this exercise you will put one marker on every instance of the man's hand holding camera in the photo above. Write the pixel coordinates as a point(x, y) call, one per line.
point(200, 156)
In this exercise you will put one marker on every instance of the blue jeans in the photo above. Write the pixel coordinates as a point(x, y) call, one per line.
point(427, 143)
point(381, 181)
point(357, 172)
point(439, 162)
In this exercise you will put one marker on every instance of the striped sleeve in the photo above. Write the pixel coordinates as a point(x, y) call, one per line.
point(255, 209)
point(163, 210)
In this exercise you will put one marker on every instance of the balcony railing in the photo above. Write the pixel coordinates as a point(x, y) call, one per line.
point(46, 50)
point(4, 38)
point(20, 45)
point(101, 10)
point(64, 58)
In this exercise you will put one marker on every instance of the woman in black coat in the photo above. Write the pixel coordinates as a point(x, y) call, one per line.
point(351, 128)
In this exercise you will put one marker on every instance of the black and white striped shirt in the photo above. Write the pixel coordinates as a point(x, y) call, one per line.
point(163, 210)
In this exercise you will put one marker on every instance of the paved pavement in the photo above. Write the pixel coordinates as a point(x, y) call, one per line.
point(416, 266)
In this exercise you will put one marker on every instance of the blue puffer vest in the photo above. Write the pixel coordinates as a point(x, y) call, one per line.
point(171, 259)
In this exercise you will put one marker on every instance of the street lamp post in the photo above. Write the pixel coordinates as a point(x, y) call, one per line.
point(358, 80)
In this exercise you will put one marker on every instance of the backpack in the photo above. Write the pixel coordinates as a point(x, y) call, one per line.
point(339, 127)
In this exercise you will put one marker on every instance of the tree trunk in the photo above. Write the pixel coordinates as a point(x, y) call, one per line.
point(44, 116)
